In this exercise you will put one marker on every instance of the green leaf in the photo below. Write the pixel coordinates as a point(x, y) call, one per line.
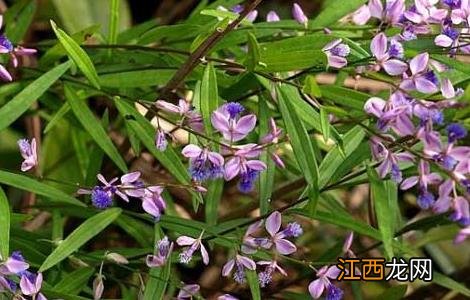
point(114, 22)
point(253, 57)
point(132, 79)
point(209, 98)
point(385, 217)
point(29, 184)
point(394, 293)
point(4, 225)
point(297, 59)
point(345, 97)
point(335, 10)
point(78, 55)
point(93, 126)
point(450, 283)
point(298, 135)
point(80, 236)
point(19, 17)
point(23, 100)
point(311, 87)
point(325, 124)
point(74, 282)
point(266, 178)
point(333, 160)
point(253, 282)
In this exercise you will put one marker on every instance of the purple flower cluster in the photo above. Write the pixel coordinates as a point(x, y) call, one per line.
point(453, 17)
point(130, 186)
point(15, 267)
point(233, 160)
point(405, 115)
point(276, 240)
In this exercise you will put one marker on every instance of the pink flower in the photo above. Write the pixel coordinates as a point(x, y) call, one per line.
point(266, 276)
point(226, 120)
point(188, 291)
point(336, 53)
point(204, 164)
point(194, 245)
point(248, 169)
point(153, 202)
point(386, 57)
point(299, 14)
point(273, 227)
point(318, 286)
point(422, 79)
point(29, 153)
point(241, 262)
point(163, 250)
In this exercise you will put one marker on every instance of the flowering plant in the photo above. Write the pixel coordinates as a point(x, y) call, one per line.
point(228, 152)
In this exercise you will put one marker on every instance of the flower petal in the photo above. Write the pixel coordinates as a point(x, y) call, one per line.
point(273, 223)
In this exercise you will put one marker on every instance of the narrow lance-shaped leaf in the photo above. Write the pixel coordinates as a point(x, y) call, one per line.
point(78, 55)
point(32, 185)
point(80, 236)
point(385, 217)
point(209, 98)
point(4, 225)
point(22, 101)
point(300, 140)
point(253, 282)
point(93, 126)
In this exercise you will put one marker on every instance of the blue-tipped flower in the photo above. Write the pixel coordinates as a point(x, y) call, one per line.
point(455, 132)
point(5, 44)
point(160, 140)
point(452, 3)
point(293, 230)
point(247, 180)
point(204, 164)
point(234, 109)
point(425, 200)
point(334, 293)
point(395, 173)
point(100, 198)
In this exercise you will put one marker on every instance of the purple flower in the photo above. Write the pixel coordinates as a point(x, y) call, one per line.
point(424, 11)
point(248, 170)
point(394, 114)
point(389, 160)
point(361, 15)
point(29, 153)
point(266, 276)
point(318, 286)
point(448, 38)
point(444, 200)
point(448, 90)
point(456, 132)
point(160, 140)
point(131, 185)
point(336, 53)
point(185, 110)
point(273, 226)
point(100, 198)
point(425, 199)
point(204, 164)
point(226, 120)
point(188, 291)
point(293, 230)
point(15, 264)
point(194, 245)
point(463, 234)
point(422, 79)
point(250, 243)
point(385, 55)
point(391, 14)
point(241, 262)
point(238, 9)
point(274, 133)
point(461, 14)
point(461, 212)
point(163, 250)
point(425, 178)
point(153, 202)
point(299, 14)
point(227, 297)
point(30, 283)
point(272, 16)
